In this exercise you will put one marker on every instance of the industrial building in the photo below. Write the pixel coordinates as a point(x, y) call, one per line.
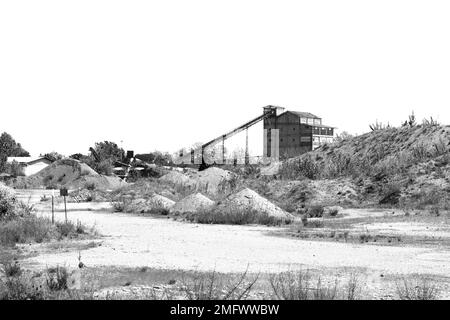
point(298, 132)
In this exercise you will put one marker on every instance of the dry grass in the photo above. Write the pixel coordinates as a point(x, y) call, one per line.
point(300, 285)
point(235, 215)
point(419, 289)
point(211, 286)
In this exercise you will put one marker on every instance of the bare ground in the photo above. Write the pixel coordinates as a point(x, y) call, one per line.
point(161, 243)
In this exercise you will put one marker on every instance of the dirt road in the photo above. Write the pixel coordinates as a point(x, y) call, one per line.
point(135, 241)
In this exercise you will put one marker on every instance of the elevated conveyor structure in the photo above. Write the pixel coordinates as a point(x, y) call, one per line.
point(269, 111)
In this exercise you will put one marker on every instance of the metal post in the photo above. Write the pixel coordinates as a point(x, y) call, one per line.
point(223, 149)
point(246, 147)
point(65, 208)
point(53, 210)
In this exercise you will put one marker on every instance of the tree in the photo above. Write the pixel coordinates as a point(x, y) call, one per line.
point(108, 150)
point(9, 148)
point(343, 136)
point(53, 156)
point(14, 169)
point(156, 157)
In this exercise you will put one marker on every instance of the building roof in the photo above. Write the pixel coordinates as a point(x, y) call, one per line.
point(26, 160)
point(304, 114)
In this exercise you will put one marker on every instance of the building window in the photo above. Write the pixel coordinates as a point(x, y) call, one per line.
point(318, 121)
point(302, 120)
point(310, 121)
point(305, 139)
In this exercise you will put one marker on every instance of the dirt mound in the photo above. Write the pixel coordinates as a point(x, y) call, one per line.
point(192, 203)
point(210, 181)
point(179, 179)
point(214, 180)
point(248, 199)
point(71, 174)
point(155, 202)
point(161, 201)
point(379, 152)
point(405, 165)
point(271, 169)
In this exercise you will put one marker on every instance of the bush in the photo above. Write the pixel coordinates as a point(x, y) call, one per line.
point(313, 223)
point(121, 204)
point(7, 202)
point(301, 286)
point(299, 168)
point(25, 229)
point(104, 167)
point(11, 269)
point(235, 215)
point(90, 186)
point(210, 286)
point(37, 229)
point(390, 194)
point(416, 290)
point(20, 288)
point(56, 278)
point(315, 211)
point(66, 229)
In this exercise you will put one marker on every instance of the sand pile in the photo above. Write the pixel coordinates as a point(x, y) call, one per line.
point(71, 174)
point(214, 180)
point(273, 168)
point(211, 181)
point(159, 201)
point(192, 203)
point(248, 199)
point(155, 202)
point(178, 179)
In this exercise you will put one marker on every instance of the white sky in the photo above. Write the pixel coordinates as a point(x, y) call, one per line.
point(166, 74)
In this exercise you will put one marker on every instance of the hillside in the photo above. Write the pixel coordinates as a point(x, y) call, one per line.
point(405, 165)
